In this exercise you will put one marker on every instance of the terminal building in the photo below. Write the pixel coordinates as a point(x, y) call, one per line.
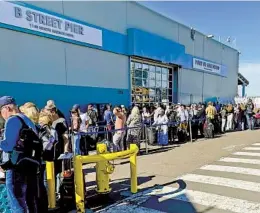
point(108, 52)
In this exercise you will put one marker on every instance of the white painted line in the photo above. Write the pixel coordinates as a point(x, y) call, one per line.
point(230, 148)
point(219, 181)
point(238, 170)
point(247, 154)
point(256, 144)
point(209, 200)
point(240, 160)
point(252, 148)
point(130, 208)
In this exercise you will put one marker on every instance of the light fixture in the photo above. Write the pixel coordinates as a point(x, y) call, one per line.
point(210, 36)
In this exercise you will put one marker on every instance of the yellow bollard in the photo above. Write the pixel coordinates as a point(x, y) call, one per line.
point(79, 184)
point(103, 169)
point(133, 169)
point(51, 184)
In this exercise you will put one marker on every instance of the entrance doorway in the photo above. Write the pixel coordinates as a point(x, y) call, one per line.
point(151, 82)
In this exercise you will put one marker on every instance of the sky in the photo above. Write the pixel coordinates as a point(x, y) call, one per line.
point(239, 20)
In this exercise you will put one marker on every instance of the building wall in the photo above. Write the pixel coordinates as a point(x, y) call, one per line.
point(38, 69)
point(86, 70)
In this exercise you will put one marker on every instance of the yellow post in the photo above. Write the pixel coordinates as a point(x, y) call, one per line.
point(102, 171)
point(79, 184)
point(133, 169)
point(51, 184)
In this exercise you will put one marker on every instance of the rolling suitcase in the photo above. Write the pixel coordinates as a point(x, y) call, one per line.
point(67, 189)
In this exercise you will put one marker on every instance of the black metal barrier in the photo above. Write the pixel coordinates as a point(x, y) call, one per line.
point(147, 132)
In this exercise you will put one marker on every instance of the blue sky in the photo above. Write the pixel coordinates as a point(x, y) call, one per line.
point(240, 20)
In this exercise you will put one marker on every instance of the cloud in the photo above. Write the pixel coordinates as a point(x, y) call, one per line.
point(251, 71)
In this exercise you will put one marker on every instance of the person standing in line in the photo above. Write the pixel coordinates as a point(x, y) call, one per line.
point(230, 117)
point(146, 116)
point(184, 118)
point(21, 186)
point(211, 112)
point(63, 146)
point(249, 114)
point(223, 113)
point(134, 124)
point(118, 137)
point(92, 115)
point(108, 117)
point(157, 110)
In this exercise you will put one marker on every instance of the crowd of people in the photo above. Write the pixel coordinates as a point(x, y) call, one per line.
point(120, 126)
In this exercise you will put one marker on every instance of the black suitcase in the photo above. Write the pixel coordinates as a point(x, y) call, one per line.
point(67, 189)
point(151, 135)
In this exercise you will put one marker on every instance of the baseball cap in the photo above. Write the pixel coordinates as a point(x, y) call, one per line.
point(5, 100)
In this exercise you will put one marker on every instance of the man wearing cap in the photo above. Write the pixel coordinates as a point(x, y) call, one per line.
point(21, 188)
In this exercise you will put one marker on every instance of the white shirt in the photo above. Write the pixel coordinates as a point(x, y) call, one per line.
point(162, 120)
point(156, 113)
point(84, 118)
point(146, 117)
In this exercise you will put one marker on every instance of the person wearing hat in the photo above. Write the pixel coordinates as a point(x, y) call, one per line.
point(21, 188)
point(59, 124)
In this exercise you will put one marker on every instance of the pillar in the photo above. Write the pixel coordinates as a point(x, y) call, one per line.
point(243, 90)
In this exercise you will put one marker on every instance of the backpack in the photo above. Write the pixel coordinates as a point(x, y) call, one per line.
point(26, 156)
point(49, 141)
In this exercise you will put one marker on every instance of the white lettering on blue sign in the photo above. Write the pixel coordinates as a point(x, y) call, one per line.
point(31, 19)
point(207, 66)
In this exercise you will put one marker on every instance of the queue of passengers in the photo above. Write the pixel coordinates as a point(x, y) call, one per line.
point(123, 127)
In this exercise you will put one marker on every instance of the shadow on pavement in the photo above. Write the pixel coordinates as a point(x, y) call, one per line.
point(160, 199)
point(97, 202)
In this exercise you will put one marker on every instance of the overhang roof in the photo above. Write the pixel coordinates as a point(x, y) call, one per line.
point(242, 80)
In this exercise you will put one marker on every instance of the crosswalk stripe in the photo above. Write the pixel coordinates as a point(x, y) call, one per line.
point(239, 170)
point(207, 199)
point(247, 154)
point(240, 160)
point(130, 208)
point(252, 148)
point(256, 144)
point(232, 183)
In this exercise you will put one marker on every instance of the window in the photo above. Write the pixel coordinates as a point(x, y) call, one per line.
point(150, 83)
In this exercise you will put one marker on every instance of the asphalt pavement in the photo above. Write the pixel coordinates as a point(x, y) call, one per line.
point(217, 175)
